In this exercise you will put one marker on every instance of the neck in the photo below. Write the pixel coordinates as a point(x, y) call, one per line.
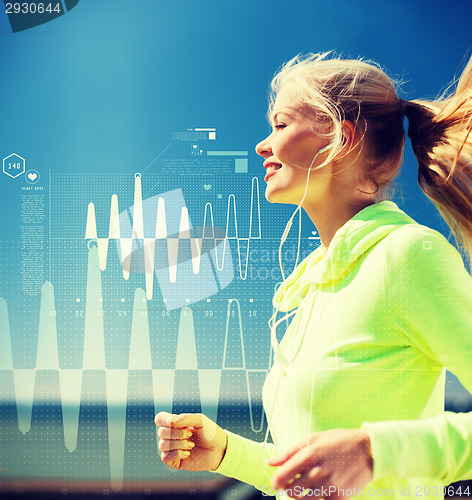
point(327, 222)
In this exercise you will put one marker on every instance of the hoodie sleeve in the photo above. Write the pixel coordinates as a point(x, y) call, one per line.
point(431, 296)
point(245, 460)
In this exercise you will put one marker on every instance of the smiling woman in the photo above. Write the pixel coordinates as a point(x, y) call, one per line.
point(289, 153)
point(355, 397)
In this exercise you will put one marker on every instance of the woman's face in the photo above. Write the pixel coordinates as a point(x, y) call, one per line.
point(289, 151)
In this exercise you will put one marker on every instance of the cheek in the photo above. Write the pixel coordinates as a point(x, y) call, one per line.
point(297, 151)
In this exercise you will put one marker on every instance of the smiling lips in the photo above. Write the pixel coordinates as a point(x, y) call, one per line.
point(271, 168)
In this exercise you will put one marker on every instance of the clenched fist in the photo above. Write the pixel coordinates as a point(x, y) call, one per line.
point(190, 441)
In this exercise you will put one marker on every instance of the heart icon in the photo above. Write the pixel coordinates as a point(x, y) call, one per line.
point(32, 176)
point(206, 186)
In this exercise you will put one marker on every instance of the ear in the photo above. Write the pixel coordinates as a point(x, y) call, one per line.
point(349, 139)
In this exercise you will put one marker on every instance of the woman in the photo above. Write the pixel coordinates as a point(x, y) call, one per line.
point(355, 398)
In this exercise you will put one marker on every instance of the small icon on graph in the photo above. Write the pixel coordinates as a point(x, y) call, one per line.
point(314, 236)
point(32, 176)
point(195, 150)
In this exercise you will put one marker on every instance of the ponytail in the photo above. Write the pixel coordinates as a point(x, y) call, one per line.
point(441, 137)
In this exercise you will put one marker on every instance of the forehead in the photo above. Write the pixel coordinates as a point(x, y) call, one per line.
point(287, 101)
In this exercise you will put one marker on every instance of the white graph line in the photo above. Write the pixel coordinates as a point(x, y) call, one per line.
point(163, 151)
point(126, 243)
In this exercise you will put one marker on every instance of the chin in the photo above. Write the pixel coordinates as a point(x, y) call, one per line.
point(270, 196)
point(274, 197)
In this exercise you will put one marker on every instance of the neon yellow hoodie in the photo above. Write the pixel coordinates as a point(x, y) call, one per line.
point(379, 319)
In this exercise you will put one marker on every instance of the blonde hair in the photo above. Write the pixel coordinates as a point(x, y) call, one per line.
point(440, 131)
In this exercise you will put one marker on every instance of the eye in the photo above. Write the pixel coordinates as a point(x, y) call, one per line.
point(280, 126)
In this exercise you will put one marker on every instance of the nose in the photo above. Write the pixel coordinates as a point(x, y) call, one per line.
point(263, 148)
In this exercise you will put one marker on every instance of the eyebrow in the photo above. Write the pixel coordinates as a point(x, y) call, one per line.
point(274, 116)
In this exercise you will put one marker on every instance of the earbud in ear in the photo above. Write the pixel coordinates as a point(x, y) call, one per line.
point(329, 146)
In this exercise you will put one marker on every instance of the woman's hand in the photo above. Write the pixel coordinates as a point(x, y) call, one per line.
point(339, 458)
point(190, 441)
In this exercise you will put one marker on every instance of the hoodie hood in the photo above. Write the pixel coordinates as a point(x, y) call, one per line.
point(350, 242)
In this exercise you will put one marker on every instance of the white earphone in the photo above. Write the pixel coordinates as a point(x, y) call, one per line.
point(278, 356)
point(289, 223)
point(272, 323)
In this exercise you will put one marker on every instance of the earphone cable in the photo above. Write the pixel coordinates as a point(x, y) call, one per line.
point(273, 322)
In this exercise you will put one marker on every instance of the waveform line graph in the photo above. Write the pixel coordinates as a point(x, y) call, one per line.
point(23, 384)
point(155, 245)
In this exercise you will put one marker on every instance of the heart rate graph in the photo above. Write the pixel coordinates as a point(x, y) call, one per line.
point(211, 382)
point(150, 248)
